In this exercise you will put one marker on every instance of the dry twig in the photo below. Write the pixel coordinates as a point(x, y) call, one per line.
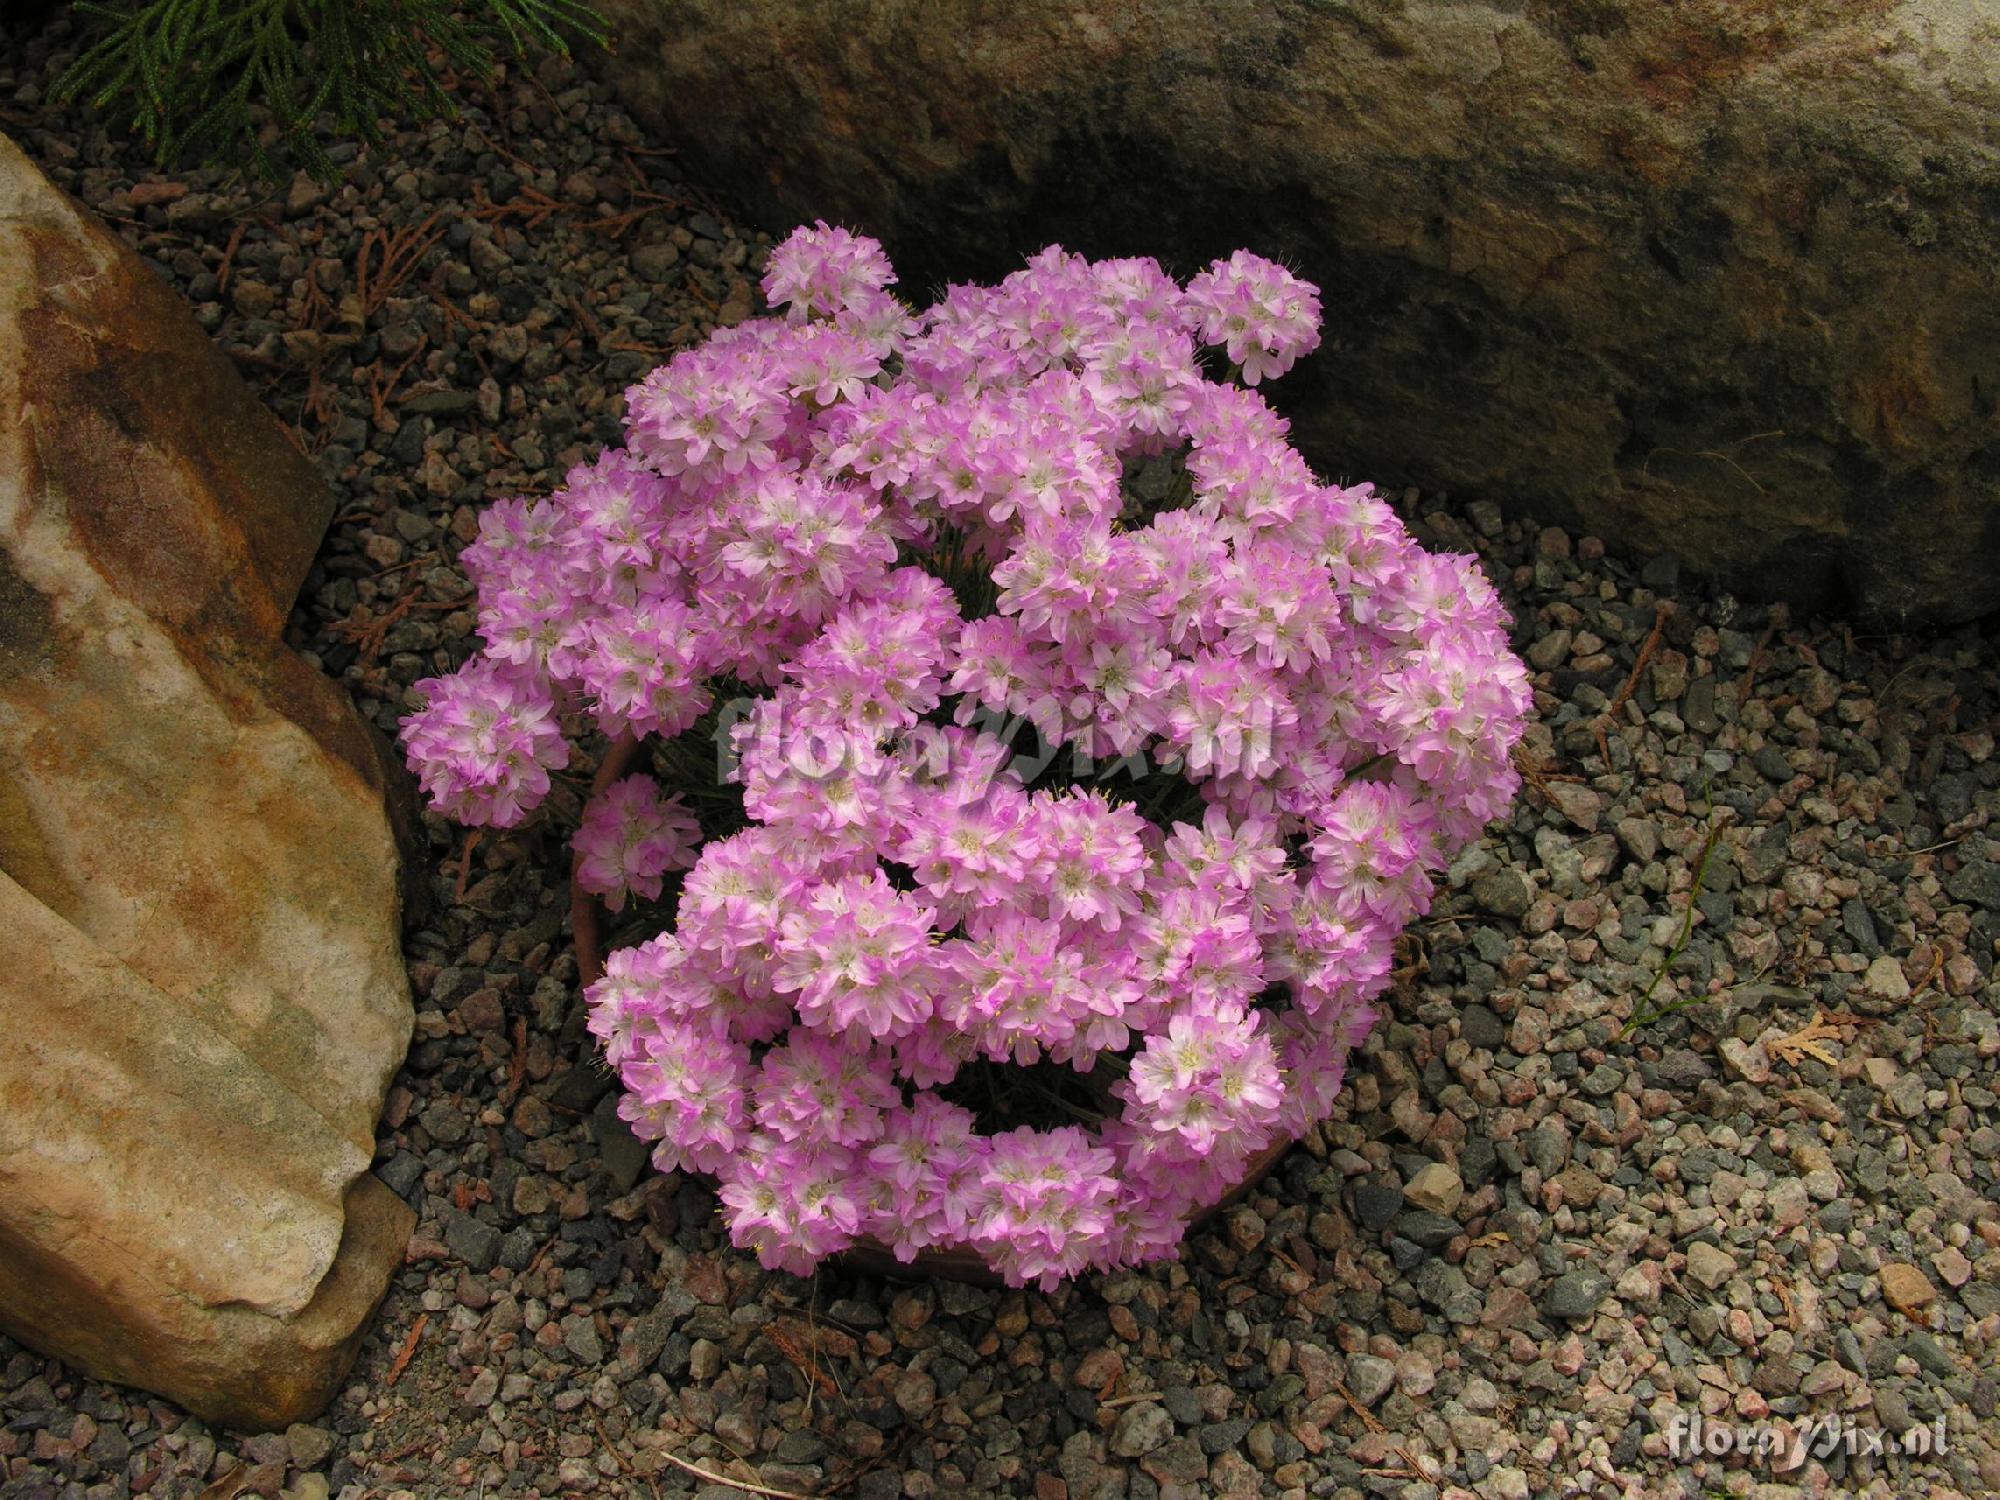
point(1779, 616)
point(1604, 721)
point(408, 1351)
point(517, 1065)
point(737, 1484)
point(229, 258)
point(530, 205)
point(609, 1446)
point(400, 250)
point(379, 392)
point(465, 867)
point(368, 635)
point(806, 1362)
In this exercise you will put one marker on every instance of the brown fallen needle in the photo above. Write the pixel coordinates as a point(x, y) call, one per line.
point(408, 1351)
point(1661, 610)
point(736, 1484)
point(1780, 617)
point(609, 1446)
point(464, 867)
point(1132, 1400)
point(517, 1066)
point(1373, 1424)
point(1368, 1418)
point(229, 257)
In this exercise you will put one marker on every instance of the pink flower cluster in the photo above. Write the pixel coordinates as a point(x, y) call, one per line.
point(914, 531)
point(629, 838)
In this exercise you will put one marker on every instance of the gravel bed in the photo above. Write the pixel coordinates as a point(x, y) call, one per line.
point(1522, 1244)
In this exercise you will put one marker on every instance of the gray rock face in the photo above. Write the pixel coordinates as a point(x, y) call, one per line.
point(1711, 279)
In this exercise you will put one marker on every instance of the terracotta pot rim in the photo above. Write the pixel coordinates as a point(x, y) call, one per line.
point(956, 1262)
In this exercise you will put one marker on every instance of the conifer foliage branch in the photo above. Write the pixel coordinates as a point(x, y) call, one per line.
point(195, 78)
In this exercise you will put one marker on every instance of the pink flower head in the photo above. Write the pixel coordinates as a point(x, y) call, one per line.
point(616, 510)
point(1050, 1199)
point(1226, 714)
point(1375, 852)
point(642, 669)
point(1237, 861)
point(817, 1089)
point(1089, 858)
point(857, 953)
point(792, 1204)
point(1021, 987)
point(1261, 314)
point(630, 837)
point(484, 743)
point(686, 1090)
point(807, 543)
point(710, 413)
point(968, 854)
point(1209, 1075)
point(928, 1170)
point(821, 271)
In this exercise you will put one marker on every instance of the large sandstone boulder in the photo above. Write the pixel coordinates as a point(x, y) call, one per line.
point(1720, 277)
point(201, 987)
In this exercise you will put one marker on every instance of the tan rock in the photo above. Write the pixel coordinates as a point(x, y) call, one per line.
point(1885, 980)
point(1952, 1266)
point(1435, 1187)
point(176, 1217)
point(1709, 1265)
point(1906, 1288)
point(1747, 1060)
point(200, 976)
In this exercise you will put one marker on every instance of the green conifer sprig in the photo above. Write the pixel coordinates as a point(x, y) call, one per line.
point(192, 78)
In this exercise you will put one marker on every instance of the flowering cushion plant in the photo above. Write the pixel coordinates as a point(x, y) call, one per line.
point(1264, 720)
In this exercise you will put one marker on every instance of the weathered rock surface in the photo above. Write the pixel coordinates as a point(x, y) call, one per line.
point(1716, 278)
point(200, 980)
